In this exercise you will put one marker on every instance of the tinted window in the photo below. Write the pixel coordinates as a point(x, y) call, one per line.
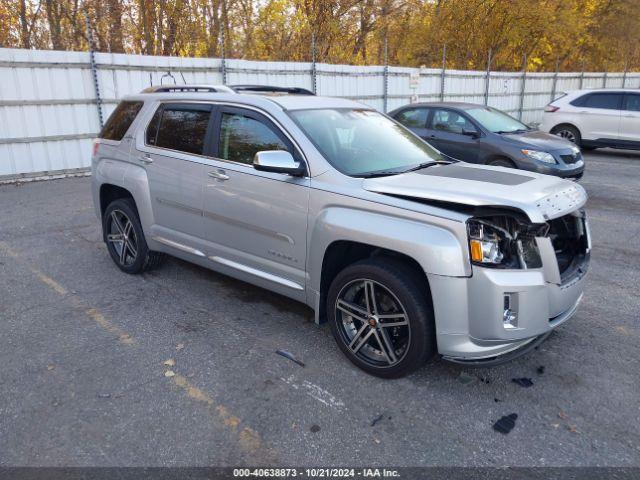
point(241, 137)
point(120, 120)
point(152, 128)
point(600, 100)
point(413, 118)
point(180, 128)
point(632, 102)
point(448, 121)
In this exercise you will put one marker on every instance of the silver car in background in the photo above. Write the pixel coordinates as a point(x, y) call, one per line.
point(405, 253)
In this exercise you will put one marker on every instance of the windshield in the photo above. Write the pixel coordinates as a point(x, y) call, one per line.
point(496, 121)
point(363, 142)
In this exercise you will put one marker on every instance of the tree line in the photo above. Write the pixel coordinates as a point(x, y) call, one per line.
point(572, 35)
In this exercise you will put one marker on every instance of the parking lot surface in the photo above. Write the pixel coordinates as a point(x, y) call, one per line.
point(84, 348)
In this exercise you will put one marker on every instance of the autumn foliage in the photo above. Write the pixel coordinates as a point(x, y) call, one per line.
point(596, 35)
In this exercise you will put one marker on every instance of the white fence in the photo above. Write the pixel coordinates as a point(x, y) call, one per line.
point(49, 112)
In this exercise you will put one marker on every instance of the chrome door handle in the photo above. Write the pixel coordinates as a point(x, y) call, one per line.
point(218, 175)
point(145, 159)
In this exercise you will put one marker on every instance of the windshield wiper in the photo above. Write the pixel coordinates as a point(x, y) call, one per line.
point(423, 165)
point(381, 173)
point(387, 173)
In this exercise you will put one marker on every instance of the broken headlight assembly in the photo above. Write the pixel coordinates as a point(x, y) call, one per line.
point(503, 241)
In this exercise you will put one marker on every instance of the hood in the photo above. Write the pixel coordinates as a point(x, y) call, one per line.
point(540, 197)
point(537, 139)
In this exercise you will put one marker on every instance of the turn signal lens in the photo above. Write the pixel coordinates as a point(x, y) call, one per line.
point(484, 243)
point(551, 108)
point(476, 250)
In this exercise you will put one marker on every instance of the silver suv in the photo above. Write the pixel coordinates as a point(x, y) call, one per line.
point(404, 251)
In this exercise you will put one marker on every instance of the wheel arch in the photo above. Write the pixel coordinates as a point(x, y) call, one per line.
point(565, 124)
point(115, 180)
point(110, 192)
point(342, 253)
point(341, 236)
point(500, 156)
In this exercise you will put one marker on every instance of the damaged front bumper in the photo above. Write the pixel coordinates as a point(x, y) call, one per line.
point(497, 315)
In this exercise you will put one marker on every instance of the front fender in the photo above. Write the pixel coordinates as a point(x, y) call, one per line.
point(436, 248)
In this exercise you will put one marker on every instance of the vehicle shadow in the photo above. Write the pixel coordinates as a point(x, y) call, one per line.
point(297, 316)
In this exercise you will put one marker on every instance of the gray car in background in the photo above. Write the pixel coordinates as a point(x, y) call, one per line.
point(406, 254)
point(481, 134)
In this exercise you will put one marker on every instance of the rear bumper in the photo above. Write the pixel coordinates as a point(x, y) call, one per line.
point(470, 313)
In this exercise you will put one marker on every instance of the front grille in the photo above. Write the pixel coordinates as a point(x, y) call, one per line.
point(569, 238)
point(571, 158)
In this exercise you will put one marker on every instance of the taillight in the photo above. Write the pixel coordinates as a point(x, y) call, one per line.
point(96, 144)
point(551, 108)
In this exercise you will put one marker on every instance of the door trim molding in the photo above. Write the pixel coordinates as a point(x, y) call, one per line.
point(179, 246)
point(258, 273)
point(249, 226)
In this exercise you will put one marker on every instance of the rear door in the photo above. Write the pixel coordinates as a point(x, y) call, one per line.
point(171, 150)
point(256, 222)
point(599, 115)
point(446, 129)
point(630, 121)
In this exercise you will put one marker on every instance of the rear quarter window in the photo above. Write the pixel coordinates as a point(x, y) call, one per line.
point(120, 120)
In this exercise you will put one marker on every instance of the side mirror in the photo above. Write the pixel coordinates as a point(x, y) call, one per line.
point(278, 161)
point(470, 133)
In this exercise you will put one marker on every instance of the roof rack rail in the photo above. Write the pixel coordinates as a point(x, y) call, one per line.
point(271, 89)
point(188, 88)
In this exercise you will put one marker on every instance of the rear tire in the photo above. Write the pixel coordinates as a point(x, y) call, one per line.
point(125, 239)
point(391, 336)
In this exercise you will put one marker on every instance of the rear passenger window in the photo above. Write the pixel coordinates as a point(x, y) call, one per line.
point(242, 136)
point(632, 102)
point(413, 117)
point(180, 128)
point(120, 120)
point(610, 101)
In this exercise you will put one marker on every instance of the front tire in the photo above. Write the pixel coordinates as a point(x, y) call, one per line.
point(381, 316)
point(125, 239)
point(568, 132)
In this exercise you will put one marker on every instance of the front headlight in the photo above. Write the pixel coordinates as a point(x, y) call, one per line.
point(484, 243)
point(540, 156)
point(504, 242)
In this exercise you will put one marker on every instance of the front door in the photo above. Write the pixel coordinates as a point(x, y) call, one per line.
point(630, 121)
point(446, 133)
point(256, 222)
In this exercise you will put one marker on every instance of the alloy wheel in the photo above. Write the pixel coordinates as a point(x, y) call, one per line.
point(122, 237)
point(373, 323)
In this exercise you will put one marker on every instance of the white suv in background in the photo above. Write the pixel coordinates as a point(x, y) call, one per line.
point(596, 118)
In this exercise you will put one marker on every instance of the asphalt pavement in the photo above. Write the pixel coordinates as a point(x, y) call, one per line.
point(84, 346)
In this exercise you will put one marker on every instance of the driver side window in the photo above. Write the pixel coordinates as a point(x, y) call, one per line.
point(449, 121)
point(242, 136)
